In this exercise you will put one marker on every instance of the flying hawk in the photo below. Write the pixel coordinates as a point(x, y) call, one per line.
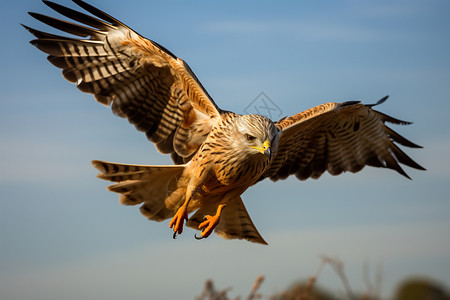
point(218, 154)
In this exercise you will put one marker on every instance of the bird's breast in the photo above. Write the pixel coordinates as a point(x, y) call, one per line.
point(238, 172)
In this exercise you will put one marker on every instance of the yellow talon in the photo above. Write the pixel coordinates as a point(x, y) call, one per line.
point(209, 223)
point(177, 221)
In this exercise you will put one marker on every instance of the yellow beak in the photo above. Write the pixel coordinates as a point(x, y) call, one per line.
point(264, 149)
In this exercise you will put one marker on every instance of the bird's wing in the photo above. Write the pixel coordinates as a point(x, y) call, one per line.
point(140, 79)
point(235, 222)
point(338, 137)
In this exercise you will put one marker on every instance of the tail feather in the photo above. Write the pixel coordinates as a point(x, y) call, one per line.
point(121, 172)
point(235, 222)
point(156, 187)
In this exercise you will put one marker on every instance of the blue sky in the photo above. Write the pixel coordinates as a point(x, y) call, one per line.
point(63, 236)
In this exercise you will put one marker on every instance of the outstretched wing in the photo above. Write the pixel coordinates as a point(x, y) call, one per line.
point(338, 137)
point(141, 80)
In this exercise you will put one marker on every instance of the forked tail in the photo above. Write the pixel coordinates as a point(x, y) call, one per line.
point(156, 187)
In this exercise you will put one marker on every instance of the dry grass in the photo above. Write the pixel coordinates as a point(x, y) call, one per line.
point(305, 291)
point(210, 293)
point(412, 289)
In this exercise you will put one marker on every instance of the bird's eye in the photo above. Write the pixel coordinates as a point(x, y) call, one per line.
point(250, 137)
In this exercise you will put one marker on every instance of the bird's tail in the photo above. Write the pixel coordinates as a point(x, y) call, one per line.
point(156, 187)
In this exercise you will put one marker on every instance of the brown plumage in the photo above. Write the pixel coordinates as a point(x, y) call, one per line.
point(217, 154)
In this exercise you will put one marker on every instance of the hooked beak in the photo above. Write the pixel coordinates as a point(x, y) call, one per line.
point(265, 149)
point(268, 153)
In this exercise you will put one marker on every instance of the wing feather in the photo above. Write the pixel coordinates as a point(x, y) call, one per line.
point(338, 137)
point(140, 79)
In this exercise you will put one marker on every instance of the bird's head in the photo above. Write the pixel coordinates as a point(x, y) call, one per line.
point(257, 135)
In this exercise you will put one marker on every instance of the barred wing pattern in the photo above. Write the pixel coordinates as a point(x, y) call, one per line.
point(338, 137)
point(157, 92)
point(140, 79)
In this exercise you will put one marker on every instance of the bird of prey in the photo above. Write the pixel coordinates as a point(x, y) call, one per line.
point(217, 154)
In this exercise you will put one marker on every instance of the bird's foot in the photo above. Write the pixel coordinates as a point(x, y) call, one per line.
point(209, 223)
point(177, 221)
point(207, 226)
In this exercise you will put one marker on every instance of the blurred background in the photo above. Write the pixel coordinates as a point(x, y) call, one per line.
point(63, 236)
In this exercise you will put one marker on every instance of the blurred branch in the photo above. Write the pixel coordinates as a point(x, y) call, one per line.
point(378, 280)
point(256, 286)
point(373, 290)
point(210, 292)
point(338, 267)
point(306, 291)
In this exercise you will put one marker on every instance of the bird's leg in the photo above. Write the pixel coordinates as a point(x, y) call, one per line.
point(181, 215)
point(209, 223)
point(177, 221)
